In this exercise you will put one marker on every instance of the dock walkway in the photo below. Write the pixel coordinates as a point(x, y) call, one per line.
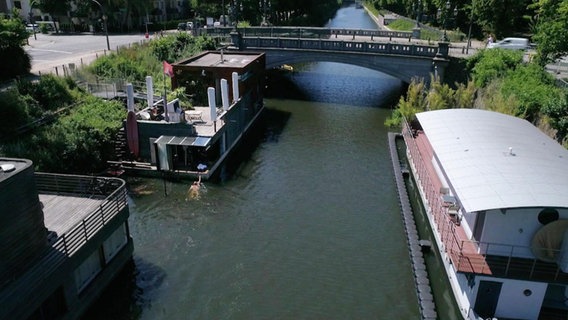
point(422, 282)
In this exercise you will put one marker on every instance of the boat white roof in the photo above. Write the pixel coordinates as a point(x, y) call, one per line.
point(493, 160)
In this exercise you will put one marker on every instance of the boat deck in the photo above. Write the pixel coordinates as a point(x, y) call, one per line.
point(463, 252)
point(62, 213)
point(200, 117)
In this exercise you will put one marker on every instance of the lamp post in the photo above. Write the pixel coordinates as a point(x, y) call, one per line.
point(446, 12)
point(418, 13)
point(32, 20)
point(104, 17)
point(470, 25)
point(235, 8)
point(223, 13)
point(264, 5)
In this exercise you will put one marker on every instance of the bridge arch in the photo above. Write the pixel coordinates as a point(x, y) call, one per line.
point(404, 68)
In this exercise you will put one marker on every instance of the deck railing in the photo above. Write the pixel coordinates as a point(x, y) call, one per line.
point(303, 32)
point(113, 193)
point(469, 256)
point(412, 49)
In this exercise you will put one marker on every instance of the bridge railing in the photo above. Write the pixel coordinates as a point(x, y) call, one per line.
point(302, 32)
point(339, 45)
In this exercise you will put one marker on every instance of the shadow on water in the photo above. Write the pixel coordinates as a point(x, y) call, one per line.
point(129, 293)
point(268, 130)
point(330, 82)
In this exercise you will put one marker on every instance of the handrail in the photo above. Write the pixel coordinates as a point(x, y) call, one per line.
point(113, 193)
point(342, 45)
point(302, 32)
point(489, 252)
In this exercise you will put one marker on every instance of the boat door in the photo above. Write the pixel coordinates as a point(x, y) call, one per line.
point(487, 298)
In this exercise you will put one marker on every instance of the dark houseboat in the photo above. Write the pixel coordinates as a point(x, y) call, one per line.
point(226, 90)
point(64, 238)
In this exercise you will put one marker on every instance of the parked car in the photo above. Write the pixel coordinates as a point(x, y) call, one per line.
point(32, 27)
point(182, 26)
point(511, 43)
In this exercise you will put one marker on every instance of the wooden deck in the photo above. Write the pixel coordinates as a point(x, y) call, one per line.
point(462, 251)
point(61, 213)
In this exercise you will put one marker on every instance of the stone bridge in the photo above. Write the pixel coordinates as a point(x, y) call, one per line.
point(373, 49)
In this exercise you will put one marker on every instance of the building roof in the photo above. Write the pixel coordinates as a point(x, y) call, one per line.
point(220, 60)
point(494, 161)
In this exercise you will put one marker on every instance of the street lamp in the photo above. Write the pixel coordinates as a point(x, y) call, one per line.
point(470, 25)
point(104, 17)
point(447, 11)
point(264, 5)
point(235, 8)
point(223, 13)
point(418, 13)
point(32, 20)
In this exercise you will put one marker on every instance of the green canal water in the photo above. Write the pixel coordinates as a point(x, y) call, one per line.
point(307, 227)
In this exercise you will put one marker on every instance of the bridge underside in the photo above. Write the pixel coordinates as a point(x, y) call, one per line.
point(404, 68)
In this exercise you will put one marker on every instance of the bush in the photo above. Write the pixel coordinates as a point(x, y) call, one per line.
point(81, 142)
point(14, 111)
point(15, 61)
point(533, 88)
point(490, 64)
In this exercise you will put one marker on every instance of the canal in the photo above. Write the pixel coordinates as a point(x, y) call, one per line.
point(308, 226)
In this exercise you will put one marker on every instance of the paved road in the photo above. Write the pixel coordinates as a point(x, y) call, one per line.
point(55, 50)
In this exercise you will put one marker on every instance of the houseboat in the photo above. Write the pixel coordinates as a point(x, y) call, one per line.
point(226, 93)
point(64, 238)
point(495, 192)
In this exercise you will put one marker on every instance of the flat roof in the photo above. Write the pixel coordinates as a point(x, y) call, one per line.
point(213, 59)
point(11, 166)
point(495, 161)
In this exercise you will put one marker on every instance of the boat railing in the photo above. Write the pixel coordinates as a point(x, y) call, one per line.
point(470, 256)
point(446, 227)
point(515, 261)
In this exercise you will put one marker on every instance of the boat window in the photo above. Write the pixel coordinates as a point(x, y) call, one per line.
point(547, 216)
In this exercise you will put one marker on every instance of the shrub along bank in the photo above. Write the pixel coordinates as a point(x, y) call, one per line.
point(499, 80)
point(61, 128)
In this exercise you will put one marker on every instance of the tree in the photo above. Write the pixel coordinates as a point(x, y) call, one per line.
point(557, 111)
point(551, 30)
point(13, 35)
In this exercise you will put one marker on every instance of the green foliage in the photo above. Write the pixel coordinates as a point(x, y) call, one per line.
point(464, 95)
point(80, 142)
point(179, 93)
point(409, 105)
point(13, 109)
point(173, 47)
point(51, 92)
point(557, 112)
point(15, 61)
point(533, 88)
point(439, 96)
point(493, 99)
point(13, 33)
point(552, 30)
point(118, 66)
point(137, 62)
point(402, 25)
point(490, 64)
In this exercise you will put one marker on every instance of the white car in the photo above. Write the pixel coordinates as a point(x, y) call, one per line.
point(511, 43)
point(31, 27)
